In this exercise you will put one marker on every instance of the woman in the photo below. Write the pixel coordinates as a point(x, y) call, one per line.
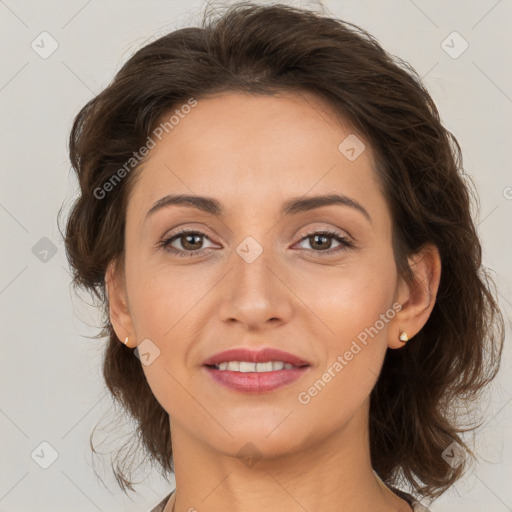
point(276, 225)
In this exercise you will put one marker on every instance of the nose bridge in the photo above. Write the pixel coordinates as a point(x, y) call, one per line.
point(252, 266)
point(256, 293)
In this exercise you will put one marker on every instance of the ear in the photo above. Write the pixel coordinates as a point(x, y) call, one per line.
point(418, 298)
point(118, 307)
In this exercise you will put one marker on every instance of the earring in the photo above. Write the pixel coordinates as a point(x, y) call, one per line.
point(126, 341)
point(403, 337)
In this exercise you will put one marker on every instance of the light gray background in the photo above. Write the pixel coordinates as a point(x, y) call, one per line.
point(51, 386)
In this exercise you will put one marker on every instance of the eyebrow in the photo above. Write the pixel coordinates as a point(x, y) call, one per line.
point(290, 207)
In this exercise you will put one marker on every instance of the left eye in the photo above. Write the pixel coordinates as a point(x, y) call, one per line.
point(192, 238)
point(320, 236)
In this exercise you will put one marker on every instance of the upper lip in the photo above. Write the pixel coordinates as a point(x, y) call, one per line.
point(255, 356)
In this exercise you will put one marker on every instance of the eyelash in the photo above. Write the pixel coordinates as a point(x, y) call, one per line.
point(165, 244)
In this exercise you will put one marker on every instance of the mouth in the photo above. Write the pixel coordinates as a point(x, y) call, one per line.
point(249, 367)
point(252, 372)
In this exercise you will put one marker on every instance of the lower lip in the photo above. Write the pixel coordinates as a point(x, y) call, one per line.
point(254, 382)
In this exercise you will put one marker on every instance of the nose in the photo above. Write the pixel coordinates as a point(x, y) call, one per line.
point(255, 293)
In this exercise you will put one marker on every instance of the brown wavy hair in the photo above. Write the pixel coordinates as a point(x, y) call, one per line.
point(416, 402)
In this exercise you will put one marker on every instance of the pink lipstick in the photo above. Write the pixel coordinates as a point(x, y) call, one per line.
point(255, 372)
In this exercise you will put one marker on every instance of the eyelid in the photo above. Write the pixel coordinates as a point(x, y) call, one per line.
point(329, 229)
point(176, 235)
point(303, 233)
point(345, 242)
point(186, 228)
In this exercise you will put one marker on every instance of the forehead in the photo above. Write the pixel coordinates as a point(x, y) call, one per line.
point(245, 149)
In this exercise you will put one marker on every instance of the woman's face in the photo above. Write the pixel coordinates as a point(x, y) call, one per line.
point(260, 278)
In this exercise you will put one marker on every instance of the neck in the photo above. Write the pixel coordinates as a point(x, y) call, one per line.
point(332, 475)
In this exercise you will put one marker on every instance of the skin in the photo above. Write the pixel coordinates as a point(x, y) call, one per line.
point(253, 152)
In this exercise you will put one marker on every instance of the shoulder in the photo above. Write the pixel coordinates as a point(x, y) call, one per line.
point(418, 507)
point(415, 504)
point(160, 507)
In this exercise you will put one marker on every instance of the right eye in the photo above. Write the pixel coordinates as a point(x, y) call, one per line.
point(185, 238)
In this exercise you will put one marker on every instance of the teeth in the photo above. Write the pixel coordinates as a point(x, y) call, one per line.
point(264, 367)
point(244, 366)
point(247, 367)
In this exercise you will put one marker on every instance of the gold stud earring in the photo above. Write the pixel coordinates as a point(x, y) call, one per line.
point(126, 341)
point(403, 337)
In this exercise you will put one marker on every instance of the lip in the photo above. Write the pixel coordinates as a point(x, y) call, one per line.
point(255, 382)
point(256, 356)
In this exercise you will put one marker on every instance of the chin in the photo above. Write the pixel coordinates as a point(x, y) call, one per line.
point(256, 443)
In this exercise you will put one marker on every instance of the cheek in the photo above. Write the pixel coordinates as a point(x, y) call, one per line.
point(351, 297)
point(350, 365)
point(355, 309)
point(166, 310)
point(162, 301)
point(163, 313)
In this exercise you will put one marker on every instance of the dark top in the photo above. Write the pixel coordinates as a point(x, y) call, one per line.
point(416, 506)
